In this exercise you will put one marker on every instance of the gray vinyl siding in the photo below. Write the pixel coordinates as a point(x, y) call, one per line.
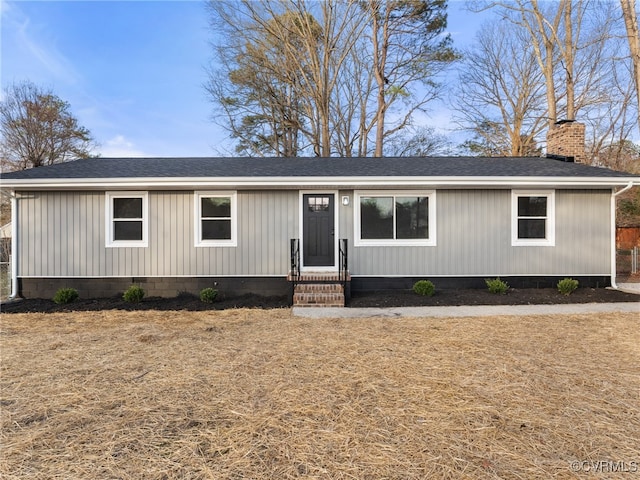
point(474, 239)
point(62, 234)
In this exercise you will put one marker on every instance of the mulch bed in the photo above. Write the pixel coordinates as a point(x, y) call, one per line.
point(525, 296)
point(387, 298)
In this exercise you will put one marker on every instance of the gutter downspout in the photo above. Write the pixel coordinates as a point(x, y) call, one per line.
point(14, 243)
point(614, 285)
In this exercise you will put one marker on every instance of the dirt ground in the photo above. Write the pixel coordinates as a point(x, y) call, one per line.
point(395, 298)
point(261, 394)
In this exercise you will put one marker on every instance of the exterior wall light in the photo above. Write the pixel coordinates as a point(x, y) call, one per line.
point(345, 200)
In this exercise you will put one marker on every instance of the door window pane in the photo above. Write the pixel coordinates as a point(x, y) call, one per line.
point(318, 204)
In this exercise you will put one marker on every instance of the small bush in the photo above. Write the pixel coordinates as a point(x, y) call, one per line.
point(208, 295)
point(424, 287)
point(134, 294)
point(65, 295)
point(567, 286)
point(497, 286)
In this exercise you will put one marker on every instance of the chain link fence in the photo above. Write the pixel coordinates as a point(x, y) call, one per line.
point(628, 261)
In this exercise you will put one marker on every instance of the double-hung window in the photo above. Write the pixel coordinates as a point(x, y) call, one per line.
point(533, 218)
point(127, 216)
point(215, 219)
point(395, 218)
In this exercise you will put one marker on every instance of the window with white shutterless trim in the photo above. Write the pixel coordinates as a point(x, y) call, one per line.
point(395, 218)
point(215, 219)
point(127, 217)
point(533, 218)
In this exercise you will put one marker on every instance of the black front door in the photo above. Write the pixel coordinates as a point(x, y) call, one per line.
point(317, 230)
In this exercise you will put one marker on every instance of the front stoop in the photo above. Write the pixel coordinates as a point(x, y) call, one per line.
point(318, 295)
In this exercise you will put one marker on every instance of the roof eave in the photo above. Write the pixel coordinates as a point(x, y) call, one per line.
point(190, 183)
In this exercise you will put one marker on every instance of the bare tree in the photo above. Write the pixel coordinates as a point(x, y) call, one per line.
point(409, 49)
point(630, 16)
point(556, 33)
point(577, 45)
point(298, 47)
point(38, 129)
point(418, 142)
point(623, 156)
point(499, 97)
point(342, 64)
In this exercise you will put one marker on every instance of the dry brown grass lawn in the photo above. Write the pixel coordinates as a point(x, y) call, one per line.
point(264, 395)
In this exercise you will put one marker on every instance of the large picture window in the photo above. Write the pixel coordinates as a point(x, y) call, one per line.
point(215, 219)
point(126, 214)
point(406, 218)
point(533, 218)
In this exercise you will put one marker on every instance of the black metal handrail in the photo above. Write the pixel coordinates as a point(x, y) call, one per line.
point(343, 260)
point(295, 261)
point(295, 273)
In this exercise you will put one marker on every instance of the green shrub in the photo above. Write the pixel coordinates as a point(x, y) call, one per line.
point(567, 286)
point(65, 295)
point(133, 294)
point(495, 285)
point(208, 295)
point(424, 287)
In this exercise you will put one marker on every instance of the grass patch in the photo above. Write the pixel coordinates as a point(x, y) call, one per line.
point(261, 394)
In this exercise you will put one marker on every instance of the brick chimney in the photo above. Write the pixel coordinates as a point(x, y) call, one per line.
point(565, 140)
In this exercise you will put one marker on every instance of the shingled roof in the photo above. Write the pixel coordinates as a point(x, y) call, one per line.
point(336, 171)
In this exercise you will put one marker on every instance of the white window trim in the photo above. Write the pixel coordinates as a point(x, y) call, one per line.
point(428, 242)
point(550, 240)
point(109, 241)
point(199, 242)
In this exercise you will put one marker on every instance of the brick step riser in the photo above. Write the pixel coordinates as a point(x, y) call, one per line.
point(319, 302)
point(324, 288)
point(315, 295)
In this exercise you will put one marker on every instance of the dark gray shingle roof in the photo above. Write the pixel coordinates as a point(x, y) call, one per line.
point(114, 168)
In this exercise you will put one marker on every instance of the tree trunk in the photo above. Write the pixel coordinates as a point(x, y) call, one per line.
point(633, 35)
point(380, 45)
point(569, 60)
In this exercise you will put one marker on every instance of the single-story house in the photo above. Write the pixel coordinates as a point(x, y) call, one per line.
point(255, 224)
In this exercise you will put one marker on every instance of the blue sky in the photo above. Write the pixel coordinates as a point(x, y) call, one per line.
point(133, 71)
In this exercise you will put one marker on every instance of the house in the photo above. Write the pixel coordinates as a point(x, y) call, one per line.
point(256, 224)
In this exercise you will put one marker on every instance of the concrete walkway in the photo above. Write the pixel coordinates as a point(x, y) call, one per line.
point(629, 287)
point(467, 311)
point(476, 310)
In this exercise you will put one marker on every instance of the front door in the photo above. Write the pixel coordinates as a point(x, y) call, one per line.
point(318, 242)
